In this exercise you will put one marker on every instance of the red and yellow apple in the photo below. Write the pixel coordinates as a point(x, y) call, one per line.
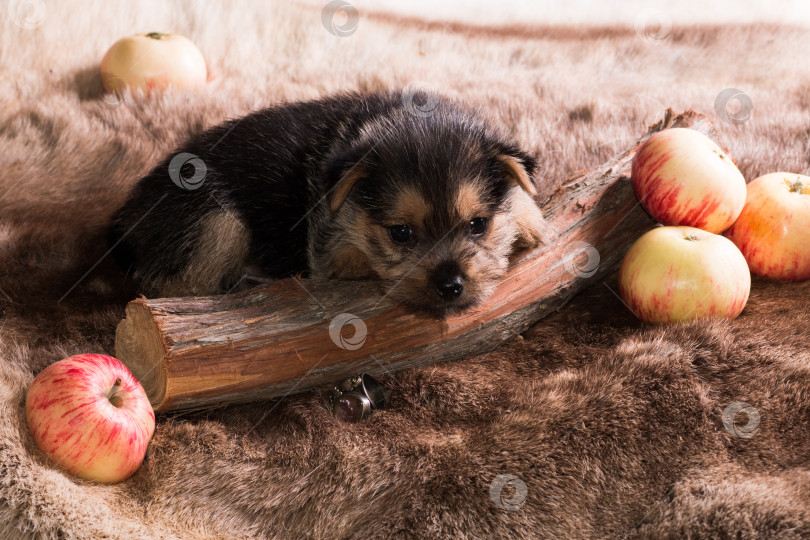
point(681, 177)
point(773, 230)
point(153, 61)
point(675, 274)
point(91, 416)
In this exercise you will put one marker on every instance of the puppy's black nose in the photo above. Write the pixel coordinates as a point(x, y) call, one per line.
point(449, 287)
point(448, 281)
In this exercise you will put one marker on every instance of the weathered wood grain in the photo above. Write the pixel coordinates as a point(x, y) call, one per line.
point(200, 352)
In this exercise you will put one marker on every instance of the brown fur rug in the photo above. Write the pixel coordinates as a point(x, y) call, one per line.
point(604, 427)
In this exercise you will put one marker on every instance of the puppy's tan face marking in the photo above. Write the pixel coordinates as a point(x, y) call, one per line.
point(468, 202)
point(410, 208)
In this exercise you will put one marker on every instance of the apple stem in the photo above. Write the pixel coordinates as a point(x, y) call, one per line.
point(113, 397)
point(155, 35)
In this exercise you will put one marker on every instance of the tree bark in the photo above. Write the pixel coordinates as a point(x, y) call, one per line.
point(201, 352)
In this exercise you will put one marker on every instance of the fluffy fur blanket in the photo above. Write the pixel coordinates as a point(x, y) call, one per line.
point(592, 425)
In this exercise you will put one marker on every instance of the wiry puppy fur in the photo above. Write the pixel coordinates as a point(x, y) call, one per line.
point(348, 187)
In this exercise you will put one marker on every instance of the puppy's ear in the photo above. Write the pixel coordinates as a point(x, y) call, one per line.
point(519, 167)
point(342, 172)
point(344, 185)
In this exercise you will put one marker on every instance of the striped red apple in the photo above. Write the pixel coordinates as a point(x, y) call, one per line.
point(91, 416)
point(681, 177)
point(773, 230)
point(674, 274)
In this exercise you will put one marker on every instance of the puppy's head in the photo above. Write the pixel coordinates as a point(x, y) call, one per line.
point(433, 206)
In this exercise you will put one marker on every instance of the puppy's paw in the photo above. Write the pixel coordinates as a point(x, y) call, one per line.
point(531, 228)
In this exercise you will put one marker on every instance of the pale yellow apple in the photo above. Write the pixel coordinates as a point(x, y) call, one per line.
point(675, 274)
point(153, 61)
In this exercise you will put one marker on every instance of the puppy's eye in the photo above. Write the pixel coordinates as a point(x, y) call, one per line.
point(400, 233)
point(478, 226)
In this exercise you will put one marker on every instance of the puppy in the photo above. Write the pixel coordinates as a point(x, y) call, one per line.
point(354, 186)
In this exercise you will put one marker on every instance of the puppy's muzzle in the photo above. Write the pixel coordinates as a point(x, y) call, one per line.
point(448, 281)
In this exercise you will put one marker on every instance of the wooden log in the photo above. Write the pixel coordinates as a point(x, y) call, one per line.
point(201, 352)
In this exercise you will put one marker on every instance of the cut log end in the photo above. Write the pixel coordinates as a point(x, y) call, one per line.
point(138, 344)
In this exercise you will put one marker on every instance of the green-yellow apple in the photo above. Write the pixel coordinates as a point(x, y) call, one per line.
point(681, 177)
point(675, 274)
point(773, 230)
point(153, 61)
point(91, 416)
